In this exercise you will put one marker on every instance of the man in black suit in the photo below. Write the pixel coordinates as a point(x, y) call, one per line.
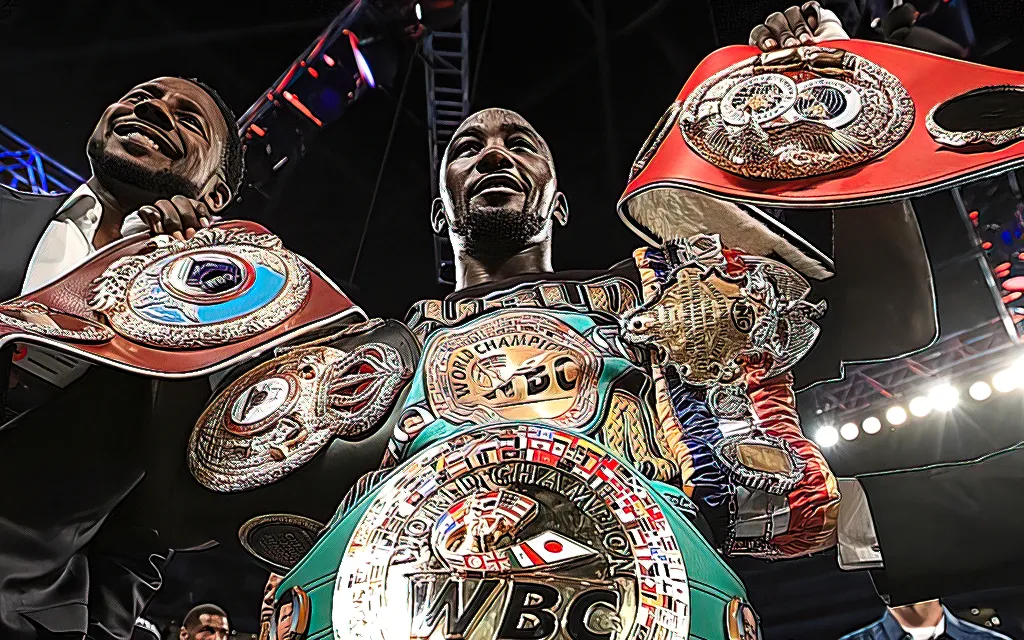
point(166, 156)
point(73, 561)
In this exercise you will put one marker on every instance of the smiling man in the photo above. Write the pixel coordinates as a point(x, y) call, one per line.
point(534, 390)
point(167, 151)
point(499, 204)
point(500, 201)
point(165, 157)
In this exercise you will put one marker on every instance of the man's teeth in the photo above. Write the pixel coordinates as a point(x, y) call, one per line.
point(143, 138)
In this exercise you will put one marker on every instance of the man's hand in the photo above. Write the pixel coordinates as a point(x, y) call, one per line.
point(179, 217)
point(806, 24)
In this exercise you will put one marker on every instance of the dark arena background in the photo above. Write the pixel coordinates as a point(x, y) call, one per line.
point(593, 76)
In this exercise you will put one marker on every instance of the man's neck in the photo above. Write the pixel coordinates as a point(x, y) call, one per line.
point(921, 614)
point(114, 212)
point(471, 271)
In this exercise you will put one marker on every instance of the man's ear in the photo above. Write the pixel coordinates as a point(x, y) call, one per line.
point(438, 219)
point(560, 209)
point(183, 634)
point(217, 194)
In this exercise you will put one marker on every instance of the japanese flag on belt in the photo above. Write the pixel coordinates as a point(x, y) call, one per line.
point(549, 548)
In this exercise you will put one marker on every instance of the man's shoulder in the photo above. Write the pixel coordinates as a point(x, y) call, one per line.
point(966, 629)
point(43, 203)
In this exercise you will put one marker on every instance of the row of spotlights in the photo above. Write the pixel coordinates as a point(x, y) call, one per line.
point(941, 397)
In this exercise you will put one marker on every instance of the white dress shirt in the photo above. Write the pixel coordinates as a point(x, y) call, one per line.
point(65, 244)
point(67, 241)
point(927, 633)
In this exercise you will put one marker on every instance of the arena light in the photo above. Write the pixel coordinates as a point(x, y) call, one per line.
point(871, 425)
point(920, 406)
point(980, 390)
point(1005, 381)
point(896, 415)
point(826, 437)
point(849, 431)
point(944, 397)
point(364, 67)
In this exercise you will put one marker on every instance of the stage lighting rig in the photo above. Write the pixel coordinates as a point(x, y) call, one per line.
point(920, 406)
point(980, 391)
point(826, 436)
point(943, 397)
point(357, 52)
point(25, 168)
point(849, 431)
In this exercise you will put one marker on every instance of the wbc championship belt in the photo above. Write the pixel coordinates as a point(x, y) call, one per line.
point(514, 531)
point(172, 308)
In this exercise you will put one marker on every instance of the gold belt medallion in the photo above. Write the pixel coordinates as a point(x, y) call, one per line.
point(515, 365)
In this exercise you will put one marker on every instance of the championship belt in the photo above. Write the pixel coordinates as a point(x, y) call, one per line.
point(170, 308)
point(704, 318)
point(710, 317)
point(841, 124)
point(514, 531)
point(274, 418)
point(550, 367)
point(810, 156)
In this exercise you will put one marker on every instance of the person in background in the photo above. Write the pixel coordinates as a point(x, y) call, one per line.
point(169, 152)
point(927, 620)
point(205, 622)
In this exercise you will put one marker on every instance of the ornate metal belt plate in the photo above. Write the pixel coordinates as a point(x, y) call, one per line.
point(704, 319)
point(275, 418)
point(37, 318)
point(512, 532)
point(513, 365)
point(221, 286)
point(796, 113)
point(279, 540)
point(761, 461)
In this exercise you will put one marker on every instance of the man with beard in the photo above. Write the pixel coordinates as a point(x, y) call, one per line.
point(166, 157)
point(499, 203)
point(531, 392)
point(169, 152)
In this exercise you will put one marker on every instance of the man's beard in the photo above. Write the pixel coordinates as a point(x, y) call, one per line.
point(496, 231)
point(162, 183)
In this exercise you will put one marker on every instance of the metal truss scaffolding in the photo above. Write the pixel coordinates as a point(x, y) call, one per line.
point(25, 168)
point(973, 352)
point(446, 58)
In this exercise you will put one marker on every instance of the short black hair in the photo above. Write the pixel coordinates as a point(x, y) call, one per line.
point(192, 617)
point(232, 160)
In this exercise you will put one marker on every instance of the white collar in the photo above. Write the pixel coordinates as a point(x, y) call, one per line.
point(928, 633)
point(87, 221)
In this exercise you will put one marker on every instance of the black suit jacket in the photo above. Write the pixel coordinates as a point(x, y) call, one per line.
point(23, 219)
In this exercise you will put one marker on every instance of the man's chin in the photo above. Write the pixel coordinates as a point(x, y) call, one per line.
point(118, 165)
point(497, 229)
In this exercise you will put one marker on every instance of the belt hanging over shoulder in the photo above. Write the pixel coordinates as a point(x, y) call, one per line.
point(611, 295)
